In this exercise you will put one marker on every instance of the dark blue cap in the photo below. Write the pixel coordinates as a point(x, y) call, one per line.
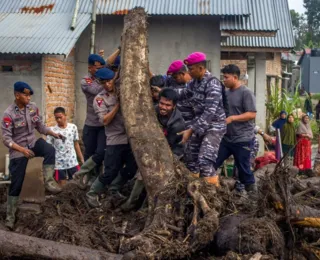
point(104, 74)
point(23, 87)
point(95, 57)
point(117, 61)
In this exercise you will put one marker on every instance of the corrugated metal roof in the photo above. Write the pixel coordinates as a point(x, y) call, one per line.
point(262, 18)
point(41, 33)
point(176, 7)
point(283, 39)
point(153, 7)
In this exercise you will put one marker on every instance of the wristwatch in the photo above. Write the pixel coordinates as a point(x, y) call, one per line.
point(262, 133)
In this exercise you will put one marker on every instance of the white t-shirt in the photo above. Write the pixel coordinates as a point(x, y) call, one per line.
point(66, 157)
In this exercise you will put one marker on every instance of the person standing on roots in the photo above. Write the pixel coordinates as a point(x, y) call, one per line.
point(94, 139)
point(208, 127)
point(288, 140)
point(278, 124)
point(239, 138)
point(118, 150)
point(302, 156)
point(18, 124)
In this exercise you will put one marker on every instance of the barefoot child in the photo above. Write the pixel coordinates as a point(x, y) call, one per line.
point(67, 150)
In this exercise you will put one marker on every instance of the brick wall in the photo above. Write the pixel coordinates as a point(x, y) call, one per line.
point(273, 67)
point(59, 85)
point(242, 64)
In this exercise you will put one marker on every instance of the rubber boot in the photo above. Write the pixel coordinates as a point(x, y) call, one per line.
point(92, 194)
point(213, 180)
point(251, 187)
point(12, 205)
point(131, 203)
point(116, 186)
point(49, 182)
point(85, 168)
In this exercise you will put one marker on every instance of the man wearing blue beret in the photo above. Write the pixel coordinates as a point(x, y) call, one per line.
point(18, 124)
point(118, 151)
point(94, 139)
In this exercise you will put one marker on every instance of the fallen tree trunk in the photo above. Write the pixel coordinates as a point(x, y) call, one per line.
point(16, 245)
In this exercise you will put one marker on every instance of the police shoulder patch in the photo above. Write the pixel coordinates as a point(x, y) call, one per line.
point(88, 80)
point(99, 101)
point(7, 121)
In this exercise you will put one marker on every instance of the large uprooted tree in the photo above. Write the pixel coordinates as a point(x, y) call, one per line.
point(165, 180)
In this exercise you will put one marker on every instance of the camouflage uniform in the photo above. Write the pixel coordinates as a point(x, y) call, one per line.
point(184, 106)
point(208, 125)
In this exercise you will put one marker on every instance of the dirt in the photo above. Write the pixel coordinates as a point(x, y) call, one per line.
point(68, 218)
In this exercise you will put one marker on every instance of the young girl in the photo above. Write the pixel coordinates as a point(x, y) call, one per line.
point(68, 149)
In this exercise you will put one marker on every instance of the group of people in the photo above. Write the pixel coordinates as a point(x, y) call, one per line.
point(294, 142)
point(204, 121)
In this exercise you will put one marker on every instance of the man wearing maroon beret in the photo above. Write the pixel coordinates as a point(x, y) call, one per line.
point(206, 130)
point(178, 78)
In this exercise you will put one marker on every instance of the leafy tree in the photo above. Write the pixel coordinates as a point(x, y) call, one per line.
point(300, 29)
point(313, 20)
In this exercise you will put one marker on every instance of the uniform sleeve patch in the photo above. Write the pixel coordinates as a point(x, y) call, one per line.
point(99, 101)
point(7, 121)
point(88, 80)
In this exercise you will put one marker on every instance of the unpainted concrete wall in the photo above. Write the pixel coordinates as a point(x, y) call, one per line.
point(170, 38)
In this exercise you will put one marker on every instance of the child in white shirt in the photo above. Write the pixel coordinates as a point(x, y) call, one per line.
point(68, 149)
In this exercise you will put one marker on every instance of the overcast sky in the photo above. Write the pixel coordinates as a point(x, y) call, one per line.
point(296, 5)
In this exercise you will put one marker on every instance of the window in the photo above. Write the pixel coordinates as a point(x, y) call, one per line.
point(5, 68)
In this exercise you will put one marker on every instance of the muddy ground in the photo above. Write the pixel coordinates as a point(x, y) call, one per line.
point(247, 226)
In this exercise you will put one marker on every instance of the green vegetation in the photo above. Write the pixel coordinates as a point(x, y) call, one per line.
point(306, 27)
point(281, 100)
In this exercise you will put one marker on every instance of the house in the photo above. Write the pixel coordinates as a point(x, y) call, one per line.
point(46, 43)
point(309, 63)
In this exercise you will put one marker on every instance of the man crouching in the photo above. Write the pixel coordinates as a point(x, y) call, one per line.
point(18, 124)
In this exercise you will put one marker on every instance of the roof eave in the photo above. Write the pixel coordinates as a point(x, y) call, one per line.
point(249, 33)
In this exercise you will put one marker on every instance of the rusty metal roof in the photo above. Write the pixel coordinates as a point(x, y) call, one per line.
point(40, 34)
point(283, 39)
point(43, 26)
point(153, 7)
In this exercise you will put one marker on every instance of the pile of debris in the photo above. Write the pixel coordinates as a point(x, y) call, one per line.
point(282, 220)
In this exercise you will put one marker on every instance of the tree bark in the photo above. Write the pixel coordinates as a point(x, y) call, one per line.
point(147, 140)
point(16, 245)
